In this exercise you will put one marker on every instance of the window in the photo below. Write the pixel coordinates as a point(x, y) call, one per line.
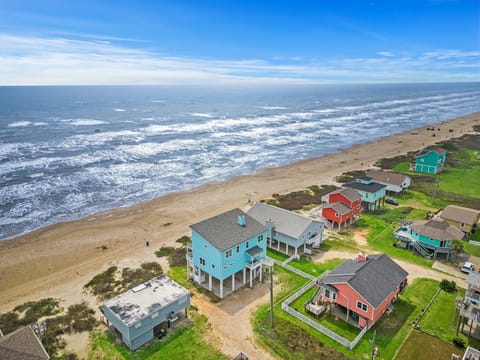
point(362, 306)
point(462, 224)
point(213, 266)
point(334, 296)
point(238, 249)
point(337, 215)
point(260, 238)
point(247, 244)
point(205, 246)
point(327, 293)
point(228, 253)
point(225, 267)
point(202, 261)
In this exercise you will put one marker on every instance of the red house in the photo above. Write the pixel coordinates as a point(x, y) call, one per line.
point(342, 206)
point(364, 288)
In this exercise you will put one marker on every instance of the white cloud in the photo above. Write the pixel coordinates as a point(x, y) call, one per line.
point(63, 61)
point(385, 53)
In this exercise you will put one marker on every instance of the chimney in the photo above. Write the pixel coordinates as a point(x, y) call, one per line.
point(241, 220)
point(362, 257)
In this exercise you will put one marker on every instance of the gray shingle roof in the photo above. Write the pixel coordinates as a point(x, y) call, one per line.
point(339, 207)
point(286, 222)
point(387, 177)
point(461, 214)
point(350, 194)
point(374, 279)
point(372, 188)
point(437, 228)
point(223, 231)
point(22, 344)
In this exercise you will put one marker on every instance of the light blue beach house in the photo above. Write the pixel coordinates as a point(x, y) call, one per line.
point(430, 160)
point(288, 230)
point(226, 251)
point(139, 313)
point(373, 193)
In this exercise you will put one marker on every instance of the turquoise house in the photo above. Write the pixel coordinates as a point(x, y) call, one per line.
point(372, 193)
point(227, 252)
point(435, 235)
point(429, 160)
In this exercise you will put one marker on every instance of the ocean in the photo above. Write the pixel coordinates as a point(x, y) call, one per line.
point(67, 152)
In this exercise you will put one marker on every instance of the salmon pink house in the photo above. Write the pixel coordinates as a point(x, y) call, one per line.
point(364, 288)
point(342, 207)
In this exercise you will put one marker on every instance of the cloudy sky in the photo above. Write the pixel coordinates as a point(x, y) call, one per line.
point(238, 41)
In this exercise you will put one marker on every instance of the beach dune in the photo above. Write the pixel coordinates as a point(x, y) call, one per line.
point(59, 259)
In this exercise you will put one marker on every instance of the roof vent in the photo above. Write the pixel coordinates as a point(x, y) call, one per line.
point(241, 220)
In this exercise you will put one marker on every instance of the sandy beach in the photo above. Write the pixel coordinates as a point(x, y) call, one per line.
point(59, 259)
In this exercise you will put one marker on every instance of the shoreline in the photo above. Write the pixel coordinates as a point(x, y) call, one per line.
point(57, 259)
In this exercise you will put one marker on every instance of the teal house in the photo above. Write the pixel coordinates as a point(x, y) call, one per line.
point(372, 193)
point(227, 252)
point(434, 236)
point(430, 160)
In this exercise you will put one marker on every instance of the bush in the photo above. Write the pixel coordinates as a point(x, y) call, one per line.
point(459, 342)
point(448, 286)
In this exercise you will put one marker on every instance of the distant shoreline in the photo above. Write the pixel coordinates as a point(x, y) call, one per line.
point(56, 260)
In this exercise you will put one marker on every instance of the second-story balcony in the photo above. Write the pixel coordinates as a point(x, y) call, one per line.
point(473, 296)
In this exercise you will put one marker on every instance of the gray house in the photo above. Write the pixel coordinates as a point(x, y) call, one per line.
point(395, 182)
point(287, 229)
point(139, 312)
point(22, 344)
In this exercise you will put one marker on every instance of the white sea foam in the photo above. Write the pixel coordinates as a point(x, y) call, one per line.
point(202, 115)
point(119, 110)
point(85, 122)
point(19, 124)
point(273, 107)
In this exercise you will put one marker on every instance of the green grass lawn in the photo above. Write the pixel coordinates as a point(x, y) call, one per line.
point(440, 319)
point(306, 265)
point(185, 342)
point(421, 346)
point(277, 255)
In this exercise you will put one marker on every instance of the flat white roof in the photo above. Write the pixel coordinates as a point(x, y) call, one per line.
point(145, 299)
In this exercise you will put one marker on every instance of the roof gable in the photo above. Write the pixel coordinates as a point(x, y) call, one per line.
point(339, 207)
point(461, 214)
point(286, 222)
point(437, 228)
point(387, 177)
point(349, 193)
point(373, 279)
point(372, 187)
point(223, 231)
point(22, 344)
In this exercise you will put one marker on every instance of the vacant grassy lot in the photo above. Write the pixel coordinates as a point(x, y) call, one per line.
point(420, 346)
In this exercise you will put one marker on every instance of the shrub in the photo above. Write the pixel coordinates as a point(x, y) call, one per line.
point(448, 286)
point(459, 342)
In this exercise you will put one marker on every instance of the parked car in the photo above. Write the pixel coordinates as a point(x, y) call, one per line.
point(391, 201)
point(467, 267)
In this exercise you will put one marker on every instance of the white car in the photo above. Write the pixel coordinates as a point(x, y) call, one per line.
point(467, 267)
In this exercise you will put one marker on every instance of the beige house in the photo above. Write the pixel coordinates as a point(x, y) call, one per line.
point(395, 182)
point(465, 219)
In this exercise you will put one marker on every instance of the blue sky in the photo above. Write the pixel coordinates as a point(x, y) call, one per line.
point(251, 42)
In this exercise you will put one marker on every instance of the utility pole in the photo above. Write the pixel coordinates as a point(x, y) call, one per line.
point(271, 296)
point(435, 191)
point(374, 348)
